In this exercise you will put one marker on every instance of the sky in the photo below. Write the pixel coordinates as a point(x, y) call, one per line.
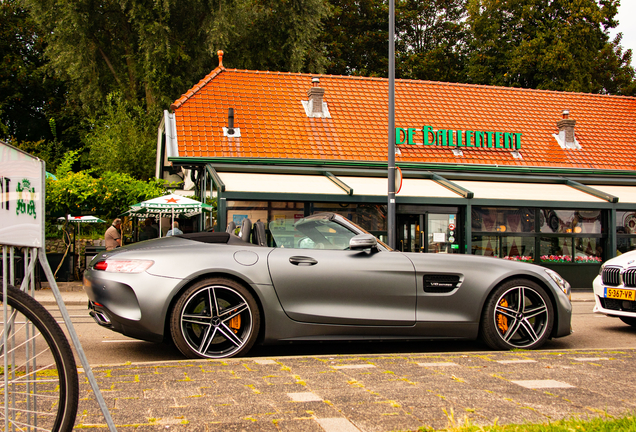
point(627, 25)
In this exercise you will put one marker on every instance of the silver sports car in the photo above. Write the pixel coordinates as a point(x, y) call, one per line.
point(322, 279)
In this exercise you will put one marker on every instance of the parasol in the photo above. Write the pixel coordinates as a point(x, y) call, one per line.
point(82, 219)
point(168, 205)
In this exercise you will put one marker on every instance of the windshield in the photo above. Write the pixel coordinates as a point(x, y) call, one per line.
point(310, 233)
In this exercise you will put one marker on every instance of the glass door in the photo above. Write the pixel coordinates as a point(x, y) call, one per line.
point(409, 234)
point(442, 233)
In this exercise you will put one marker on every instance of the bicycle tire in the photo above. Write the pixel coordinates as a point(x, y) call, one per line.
point(43, 388)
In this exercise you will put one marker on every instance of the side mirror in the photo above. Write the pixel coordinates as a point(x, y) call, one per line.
point(363, 241)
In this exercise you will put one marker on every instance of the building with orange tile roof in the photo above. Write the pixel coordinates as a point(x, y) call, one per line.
point(517, 173)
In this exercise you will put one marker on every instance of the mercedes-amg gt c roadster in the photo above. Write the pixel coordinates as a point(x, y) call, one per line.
point(320, 278)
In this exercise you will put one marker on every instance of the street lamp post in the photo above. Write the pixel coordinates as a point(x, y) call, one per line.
point(391, 160)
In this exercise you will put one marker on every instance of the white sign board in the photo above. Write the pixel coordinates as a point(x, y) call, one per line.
point(439, 237)
point(21, 198)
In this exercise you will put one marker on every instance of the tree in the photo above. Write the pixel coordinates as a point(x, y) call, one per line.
point(123, 139)
point(431, 40)
point(429, 44)
point(552, 45)
point(79, 193)
point(152, 52)
point(32, 99)
point(356, 38)
point(280, 35)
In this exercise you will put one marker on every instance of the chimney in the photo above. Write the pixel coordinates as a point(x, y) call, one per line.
point(315, 95)
point(230, 131)
point(566, 137)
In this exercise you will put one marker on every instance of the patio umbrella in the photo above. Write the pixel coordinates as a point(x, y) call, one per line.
point(168, 205)
point(82, 219)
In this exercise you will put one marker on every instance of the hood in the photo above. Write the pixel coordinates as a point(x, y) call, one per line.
point(628, 259)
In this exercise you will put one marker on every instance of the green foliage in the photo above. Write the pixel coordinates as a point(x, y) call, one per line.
point(277, 35)
point(123, 140)
point(30, 96)
point(557, 45)
point(152, 52)
point(79, 193)
point(129, 47)
point(22, 91)
point(356, 38)
point(597, 424)
point(431, 40)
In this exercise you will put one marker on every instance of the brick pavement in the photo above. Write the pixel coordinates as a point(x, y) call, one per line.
point(396, 392)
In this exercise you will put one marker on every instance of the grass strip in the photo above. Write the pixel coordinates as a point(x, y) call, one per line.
point(597, 424)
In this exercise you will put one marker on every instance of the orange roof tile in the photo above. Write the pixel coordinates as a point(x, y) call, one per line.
point(273, 124)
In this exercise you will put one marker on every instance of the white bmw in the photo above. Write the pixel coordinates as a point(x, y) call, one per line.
point(615, 288)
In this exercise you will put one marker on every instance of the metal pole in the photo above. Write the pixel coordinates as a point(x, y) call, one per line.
point(75, 339)
point(391, 161)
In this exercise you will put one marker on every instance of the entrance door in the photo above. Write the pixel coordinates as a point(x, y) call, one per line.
point(442, 233)
point(434, 230)
point(409, 233)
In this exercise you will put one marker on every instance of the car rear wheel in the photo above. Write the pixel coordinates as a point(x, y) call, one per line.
point(629, 320)
point(215, 318)
point(518, 314)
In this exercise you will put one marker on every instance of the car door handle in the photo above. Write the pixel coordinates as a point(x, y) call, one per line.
point(302, 261)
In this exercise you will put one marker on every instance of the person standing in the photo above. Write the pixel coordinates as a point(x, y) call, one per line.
point(149, 231)
point(112, 237)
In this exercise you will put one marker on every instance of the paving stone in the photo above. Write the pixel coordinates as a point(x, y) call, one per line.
point(374, 393)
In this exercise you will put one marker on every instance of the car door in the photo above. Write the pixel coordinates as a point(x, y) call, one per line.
point(351, 287)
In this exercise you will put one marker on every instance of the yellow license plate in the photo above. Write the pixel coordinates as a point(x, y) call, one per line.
point(620, 294)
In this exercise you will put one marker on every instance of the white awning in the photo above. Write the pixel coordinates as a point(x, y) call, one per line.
point(414, 187)
point(279, 183)
point(527, 191)
point(625, 194)
point(410, 187)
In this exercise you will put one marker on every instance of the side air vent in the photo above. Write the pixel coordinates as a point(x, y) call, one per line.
point(440, 283)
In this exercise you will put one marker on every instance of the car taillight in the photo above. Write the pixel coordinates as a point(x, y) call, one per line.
point(123, 266)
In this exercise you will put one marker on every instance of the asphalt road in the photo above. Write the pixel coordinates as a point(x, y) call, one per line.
point(104, 347)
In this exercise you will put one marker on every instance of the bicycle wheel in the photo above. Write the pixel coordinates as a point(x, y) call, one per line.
point(39, 388)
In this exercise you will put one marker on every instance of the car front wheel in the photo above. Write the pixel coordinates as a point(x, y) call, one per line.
point(215, 318)
point(518, 314)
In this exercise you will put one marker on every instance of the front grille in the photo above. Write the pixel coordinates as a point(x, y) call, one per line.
point(440, 283)
point(611, 276)
point(629, 278)
point(618, 305)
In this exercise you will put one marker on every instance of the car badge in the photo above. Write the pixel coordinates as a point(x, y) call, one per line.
point(629, 262)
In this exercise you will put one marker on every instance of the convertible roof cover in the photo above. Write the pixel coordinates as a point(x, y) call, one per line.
point(215, 237)
point(273, 123)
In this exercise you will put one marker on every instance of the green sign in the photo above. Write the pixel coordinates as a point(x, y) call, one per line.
point(458, 138)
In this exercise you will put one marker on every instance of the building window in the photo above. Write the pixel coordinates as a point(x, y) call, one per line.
point(539, 235)
point(280, 215)
point(625, 231)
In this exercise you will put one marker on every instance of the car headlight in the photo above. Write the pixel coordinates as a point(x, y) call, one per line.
point(123, 266)
point(562, 283)
point(600, 272)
